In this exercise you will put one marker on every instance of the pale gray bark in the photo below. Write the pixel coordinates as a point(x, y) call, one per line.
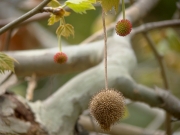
point(41, 62)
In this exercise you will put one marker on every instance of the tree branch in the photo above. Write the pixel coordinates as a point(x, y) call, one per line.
point(74, 97)
point(139, 10)
point(142, 28)
point(34, 18)
point(118, 129)
point(133, 13)
point(41, 61)
point(24, 17)
point(155, 25)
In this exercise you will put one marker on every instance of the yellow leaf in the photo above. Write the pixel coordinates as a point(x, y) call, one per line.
point(109, 4)
point(67, 13)
point(65, 30)
point(53, 19)
point(56, 16)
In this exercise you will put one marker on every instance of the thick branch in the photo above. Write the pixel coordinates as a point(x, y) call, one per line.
point(41, 61)
point(118, 129)
point(74, 96)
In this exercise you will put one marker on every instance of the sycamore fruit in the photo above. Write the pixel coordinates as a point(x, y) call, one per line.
point(60, 58)
point(107, 107)
point(123, 27)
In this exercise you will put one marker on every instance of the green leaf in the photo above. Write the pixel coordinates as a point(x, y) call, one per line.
point(109, 4)
point(6, 63)
point(54, 3)
point(80, 6)
point(53, 19)
point(65, 30)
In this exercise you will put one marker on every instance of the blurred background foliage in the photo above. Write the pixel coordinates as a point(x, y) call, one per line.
point(147, 71)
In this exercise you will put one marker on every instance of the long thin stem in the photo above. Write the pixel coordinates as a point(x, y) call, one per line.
point(59, 43)
point(24, 17)
point(123, 9)
point(105, 49)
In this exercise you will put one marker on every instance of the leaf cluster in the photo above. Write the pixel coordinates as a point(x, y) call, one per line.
point(6, 63)
point(78, 6)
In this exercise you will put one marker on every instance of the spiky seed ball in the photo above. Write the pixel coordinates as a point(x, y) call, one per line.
point(123, 27)
point(60, 58)
point(107, 107)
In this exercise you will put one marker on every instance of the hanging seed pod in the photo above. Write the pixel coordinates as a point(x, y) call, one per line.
point(107, 107)
point(123, 27)
point(60, 58)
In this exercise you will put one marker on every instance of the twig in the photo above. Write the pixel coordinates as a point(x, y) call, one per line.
point(1, 83)
point(31, 86)
point(105, 49)
point(55, 11)
point(155, 25)
point(164, 77)
point(22, 18)
point(142, 28)
point(159, 59)
point(34, 18)
point(118, 129)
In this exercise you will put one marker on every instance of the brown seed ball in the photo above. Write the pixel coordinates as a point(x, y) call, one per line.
point(107, 107)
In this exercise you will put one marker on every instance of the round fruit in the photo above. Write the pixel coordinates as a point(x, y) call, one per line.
point(107, 107)
point(123, 27)
point(60, 58)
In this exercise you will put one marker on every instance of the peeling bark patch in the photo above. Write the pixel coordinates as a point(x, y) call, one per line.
point(22, 113)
